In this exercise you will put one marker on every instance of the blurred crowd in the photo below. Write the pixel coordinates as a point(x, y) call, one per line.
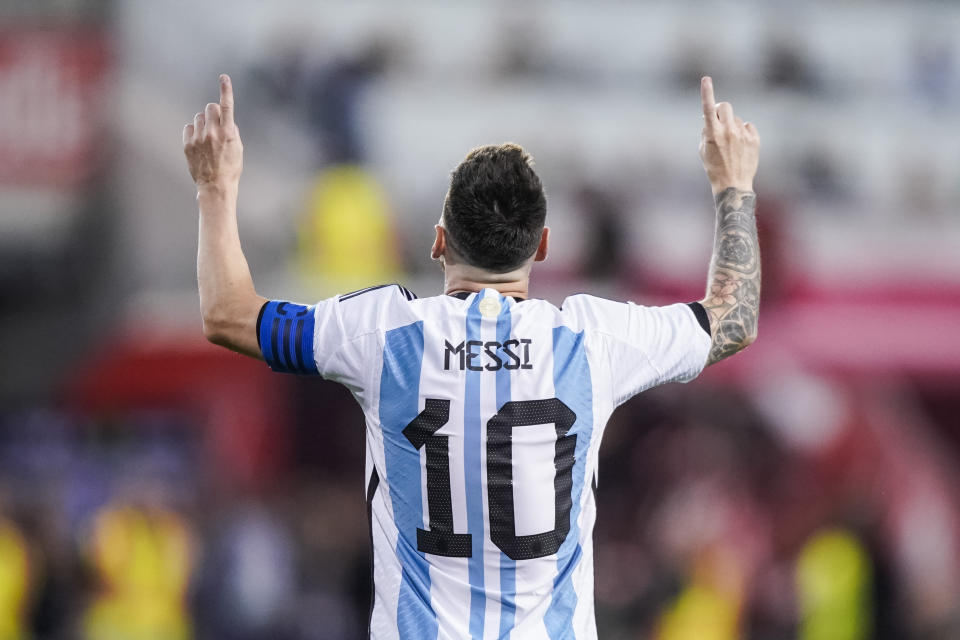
point(114, 528)
point(152, 487)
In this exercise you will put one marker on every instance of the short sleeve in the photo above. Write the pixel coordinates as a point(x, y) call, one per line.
point(644, 346)
point(337, 338)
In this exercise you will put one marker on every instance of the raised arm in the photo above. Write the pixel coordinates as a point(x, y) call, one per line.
point(229, 303)
point(729, 150)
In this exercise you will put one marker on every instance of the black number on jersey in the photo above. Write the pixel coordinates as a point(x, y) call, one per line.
point(440, 538)
point(500, 476)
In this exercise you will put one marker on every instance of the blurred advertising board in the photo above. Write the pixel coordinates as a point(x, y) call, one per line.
point(52, 95)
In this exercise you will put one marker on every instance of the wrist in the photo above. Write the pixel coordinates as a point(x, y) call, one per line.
point(746, 187)
point(217, 191)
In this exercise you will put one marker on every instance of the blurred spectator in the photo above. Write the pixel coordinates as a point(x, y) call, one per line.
point(605, 233)
point(249, 576)
point(346, 236)
point(143, 558)
point(709, 606)
point(833, 583)
point(787, 66)
point(821, 178)
point(15, 583)
point(691, 62)
point(327, 92)
point(520, 50)
point(332, 101)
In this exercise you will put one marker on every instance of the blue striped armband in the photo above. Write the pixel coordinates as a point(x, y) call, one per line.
point(285, 333)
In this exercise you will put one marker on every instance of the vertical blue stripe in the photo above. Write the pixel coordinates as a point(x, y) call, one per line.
point(266, 348)
point(508, 566)
point(298, 346)
point(399, 404)
point(571, 380)
point(472, 444)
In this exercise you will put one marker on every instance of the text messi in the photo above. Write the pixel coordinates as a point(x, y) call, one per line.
point(477, 355)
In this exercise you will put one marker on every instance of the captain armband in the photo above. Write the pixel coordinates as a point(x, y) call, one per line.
point(285, 333)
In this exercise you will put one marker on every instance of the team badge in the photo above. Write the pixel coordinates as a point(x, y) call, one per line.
point(489, 307)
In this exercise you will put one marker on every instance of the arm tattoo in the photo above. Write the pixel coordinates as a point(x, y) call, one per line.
point(733, 291)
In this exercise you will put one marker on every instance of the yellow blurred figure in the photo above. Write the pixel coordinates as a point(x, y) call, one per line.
point(144, 561)
point(346, 239)
point(833, 580)
point(708, 608)
point(14, 582)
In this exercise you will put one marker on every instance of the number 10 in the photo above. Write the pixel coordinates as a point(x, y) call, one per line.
point(440, 539)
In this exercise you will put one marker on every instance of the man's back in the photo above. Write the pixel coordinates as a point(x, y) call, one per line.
point(484, 415)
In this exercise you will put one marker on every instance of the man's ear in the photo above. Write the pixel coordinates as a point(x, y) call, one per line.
point(439, 243)
point(541, 254)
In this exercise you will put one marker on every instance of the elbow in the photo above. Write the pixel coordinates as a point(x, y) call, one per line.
point(727, 344)
point(215, 329)
point(213, 333)
point(731, 332)
point(749, 337)
point(232, 323)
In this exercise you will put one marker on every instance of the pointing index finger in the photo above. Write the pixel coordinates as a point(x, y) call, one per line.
point(706, 97)
point(226, 100)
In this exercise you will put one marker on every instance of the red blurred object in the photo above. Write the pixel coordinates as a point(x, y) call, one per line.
point(52, 93)
point(242, 405)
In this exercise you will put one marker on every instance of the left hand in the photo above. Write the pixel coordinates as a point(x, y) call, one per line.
point(729, 147)
point(212, 143)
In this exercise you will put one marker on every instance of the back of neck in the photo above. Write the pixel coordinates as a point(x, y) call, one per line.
point(462, 277)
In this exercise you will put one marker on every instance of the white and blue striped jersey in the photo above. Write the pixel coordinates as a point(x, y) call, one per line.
point(484, 416)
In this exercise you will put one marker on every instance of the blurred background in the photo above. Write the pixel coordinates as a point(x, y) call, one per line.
point(155, 487)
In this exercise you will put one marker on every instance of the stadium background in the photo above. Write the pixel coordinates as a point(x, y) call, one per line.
point(152, 486)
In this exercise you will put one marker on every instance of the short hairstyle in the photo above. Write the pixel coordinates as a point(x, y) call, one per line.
point(495, 209)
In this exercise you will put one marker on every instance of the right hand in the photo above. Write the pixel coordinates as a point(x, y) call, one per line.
point(729, 147)
point(212, 143)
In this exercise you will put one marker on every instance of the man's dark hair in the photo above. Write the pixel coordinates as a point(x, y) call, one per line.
point(495, 209)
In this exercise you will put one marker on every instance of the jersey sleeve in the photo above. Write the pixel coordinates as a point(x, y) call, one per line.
point(644, 346)
point(337, 338)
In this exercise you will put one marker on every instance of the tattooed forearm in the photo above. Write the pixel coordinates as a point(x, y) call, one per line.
point(733, 290)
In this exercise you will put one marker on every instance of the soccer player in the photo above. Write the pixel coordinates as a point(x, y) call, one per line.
point(484, 407)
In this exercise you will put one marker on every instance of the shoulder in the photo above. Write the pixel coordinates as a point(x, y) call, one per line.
point(379, 292)
point(369, 310)
point(593, 312)
point(620, 318)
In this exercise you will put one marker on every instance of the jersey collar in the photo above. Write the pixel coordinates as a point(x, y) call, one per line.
point(463, 295)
